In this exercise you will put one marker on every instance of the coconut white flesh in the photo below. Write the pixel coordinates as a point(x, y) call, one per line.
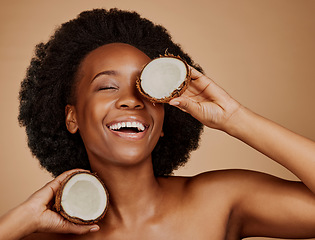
point(162, 76)
point(84, 197)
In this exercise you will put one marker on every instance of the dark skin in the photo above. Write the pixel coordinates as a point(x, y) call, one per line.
point(218, 205)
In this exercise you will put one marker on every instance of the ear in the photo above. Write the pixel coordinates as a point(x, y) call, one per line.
point(71, 119)
point(162, 134)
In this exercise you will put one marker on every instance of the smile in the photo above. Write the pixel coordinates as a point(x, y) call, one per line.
point(129, 129)
point(125, 126)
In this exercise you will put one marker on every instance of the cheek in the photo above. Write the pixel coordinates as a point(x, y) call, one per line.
point(158, 115)
point(91, 116)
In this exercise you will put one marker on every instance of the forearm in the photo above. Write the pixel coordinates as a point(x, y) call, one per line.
point(16, 224)
point(289, 149)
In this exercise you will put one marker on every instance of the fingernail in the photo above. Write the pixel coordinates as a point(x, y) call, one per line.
point(95, 229)
point(174, 103)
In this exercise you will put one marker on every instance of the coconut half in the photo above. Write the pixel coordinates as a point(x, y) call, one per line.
point(164, 78)
point(82, 198)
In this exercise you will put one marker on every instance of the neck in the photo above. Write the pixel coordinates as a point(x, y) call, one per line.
point(134, 190)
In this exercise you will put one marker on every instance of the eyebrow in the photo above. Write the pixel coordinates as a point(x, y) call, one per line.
point(107, 72)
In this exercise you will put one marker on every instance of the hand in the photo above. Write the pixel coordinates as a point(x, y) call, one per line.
point(206, 101)
point(48, 220)
point(35, 215)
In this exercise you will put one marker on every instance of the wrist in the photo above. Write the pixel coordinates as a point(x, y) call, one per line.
point(30, 215)
point(237, 123)
point(26, 218)
point(17, 223)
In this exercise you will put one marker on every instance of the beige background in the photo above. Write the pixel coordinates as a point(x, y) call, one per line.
point(261, 51)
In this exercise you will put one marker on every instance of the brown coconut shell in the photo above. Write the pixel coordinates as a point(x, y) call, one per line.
point(176, 93)
point(63, 213)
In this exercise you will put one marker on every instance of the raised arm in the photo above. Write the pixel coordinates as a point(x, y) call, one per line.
point(211, 105)
point(266, 206)
point(35, 215)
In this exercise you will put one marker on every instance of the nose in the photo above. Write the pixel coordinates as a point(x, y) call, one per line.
point(130, 99)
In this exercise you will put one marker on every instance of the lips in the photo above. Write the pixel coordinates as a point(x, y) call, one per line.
point(128, 129)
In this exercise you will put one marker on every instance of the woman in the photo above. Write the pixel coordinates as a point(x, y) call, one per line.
point(82, 82)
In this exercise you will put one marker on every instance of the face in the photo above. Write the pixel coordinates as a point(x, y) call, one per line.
point(117, 125)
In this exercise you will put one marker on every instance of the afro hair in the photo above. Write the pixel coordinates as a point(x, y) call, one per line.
point(50, 81)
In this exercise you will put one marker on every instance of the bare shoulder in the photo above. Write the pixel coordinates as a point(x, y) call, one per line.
point(230, 179)
point(221, 187)
point(217, 198)
point(220, 179)
point(226, 186)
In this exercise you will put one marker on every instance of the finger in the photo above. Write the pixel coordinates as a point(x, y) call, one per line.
point(194, 73)
point(186, 105)
point(47, 192)
point(52, 222)
point(199, 82)
point(55, 184)
point(78, 229)
point(204, 87)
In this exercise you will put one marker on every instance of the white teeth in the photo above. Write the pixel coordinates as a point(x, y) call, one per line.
point(118, 126)
point(140, 127)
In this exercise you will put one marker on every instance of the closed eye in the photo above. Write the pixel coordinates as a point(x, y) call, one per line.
point(107, 88)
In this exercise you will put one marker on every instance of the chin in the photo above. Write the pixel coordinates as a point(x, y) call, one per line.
point(129, 160)
point(130, 157)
